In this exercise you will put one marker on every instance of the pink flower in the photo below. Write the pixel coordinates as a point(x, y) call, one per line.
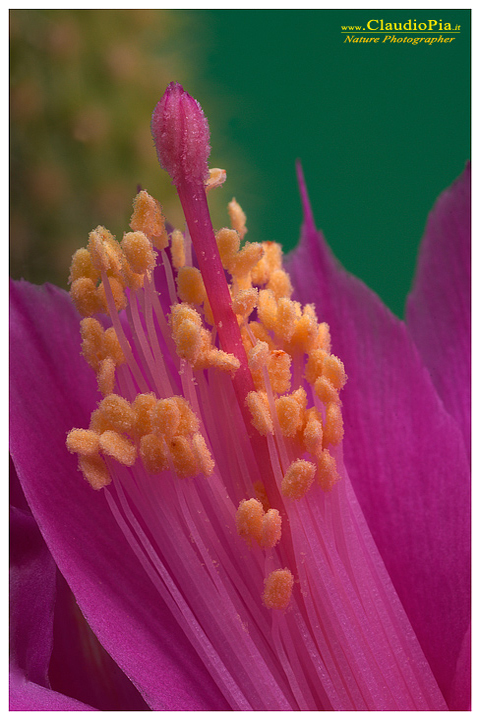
point(223, 561)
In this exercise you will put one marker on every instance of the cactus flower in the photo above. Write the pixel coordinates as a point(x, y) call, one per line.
point(254, 478)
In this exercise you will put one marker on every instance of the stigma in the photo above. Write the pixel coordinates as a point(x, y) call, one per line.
point(207, 369)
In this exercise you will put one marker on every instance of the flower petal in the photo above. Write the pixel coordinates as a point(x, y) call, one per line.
point(52, 390)
point(405, 454)
point(438, 311)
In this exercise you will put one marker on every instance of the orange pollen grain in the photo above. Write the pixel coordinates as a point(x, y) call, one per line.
point(278, 589)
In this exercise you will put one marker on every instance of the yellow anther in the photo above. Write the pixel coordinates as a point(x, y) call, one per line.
point(153, 453)
point(83, 442)
point(289, 415)
point(258, 330)
point(118, 447)
point(278, 589)
point(216, 178)
point(183, 458)
point(267, 309)
point(189, 422)
point(257, 403)
point(301, 398)
point(228, 243)
point(106, 376)
point(261, 494)
point(178, 249)
point(245, 301)
point(222, 360)
point(99, 422)
point(245, 259)
point(314, 365)
point(279, 283)
point(119, 297)
point(306, 331)
point(82, 266)
point(181, 312)
point(271, 260)
point(92, 334)
point(147, 218)
point(142, 407)
point(333, 428)
point(327, 474)
point(271, 529)
point(84, 295)
point(112, 346)
point(138, 252)
point(105, 251)
point(288, 313)
point(279, 371)
point(202, 455)
point(298, 479)
point(118, 412)
point(237, 218)
point(188, 340)
point(94, 471)
point(190, 285)
point(132, 280)
point(325, 391)
point(334, 371)
point(258, 357)
point(248, 519)
point(323, 341)
point(165, 417)
point(313, 433)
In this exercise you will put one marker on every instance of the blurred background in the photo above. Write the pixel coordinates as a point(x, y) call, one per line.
point(381, 129)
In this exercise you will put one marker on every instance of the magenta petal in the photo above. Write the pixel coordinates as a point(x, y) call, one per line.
point(25, 695)
point(52, 391)
point(405, 454)
point(439, 308)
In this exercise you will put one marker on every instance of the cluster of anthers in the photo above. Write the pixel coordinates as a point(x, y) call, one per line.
point(156, 361)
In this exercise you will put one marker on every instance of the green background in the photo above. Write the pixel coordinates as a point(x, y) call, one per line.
point(381, 129)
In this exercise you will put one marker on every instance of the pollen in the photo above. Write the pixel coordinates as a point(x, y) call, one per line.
point(153, 453)
point(118, 293)
point(278, 589)
point(279, 371)
point(228, 243)
point(289, 415)
point(271, 530)
point(279, 283)
point(95, 471)
point(314, 365)
point(105, 251)
point(83, 442)
point(257, 403)
point(248, 519)
point(189, 422)
point(202, 455)
point(325, 391)
point(118, 412)
point(298, 479)
point(106, 376)
point(334, 371)
point(216, 178)
point(99, 423)
point(190, 285)
point(287, 315)
point(222, 360)
point(267, 309)
point(323, 340)
point(245, 259)
point(142, 406)
point(84, 295)
point(92, 335)
point(112, 346)
point(82, 266)
point(138, 252)
point(183, 458)
point(237, 218)
point(245, 302)
point(333, 428)
point(271, 261)
point(313, 432)
point(148, 218)
point(118, 447)
point(178, 249)
point(165, 417)
point(327, 474)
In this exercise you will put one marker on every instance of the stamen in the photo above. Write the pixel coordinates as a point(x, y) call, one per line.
point(237, 218)
point(271, 531)
point(118, 447)
point(118, 412)
point(327, 474)
point(190, 286)
point(139, 252)
point(147, 218)
point(83, 442)
point(249, 518)
point(153, 453)
point(257, 403)
point(298, 479)
point(177, 249)
point(333, 428)
point(278, 589)
point(165, 417)
point(94, 471)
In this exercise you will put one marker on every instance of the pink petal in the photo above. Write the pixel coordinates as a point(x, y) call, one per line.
point(438, 308)
point(405, 454)
point(26, 695)
point(52, 391)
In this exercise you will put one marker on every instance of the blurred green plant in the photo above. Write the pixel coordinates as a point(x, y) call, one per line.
point(83, 85)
